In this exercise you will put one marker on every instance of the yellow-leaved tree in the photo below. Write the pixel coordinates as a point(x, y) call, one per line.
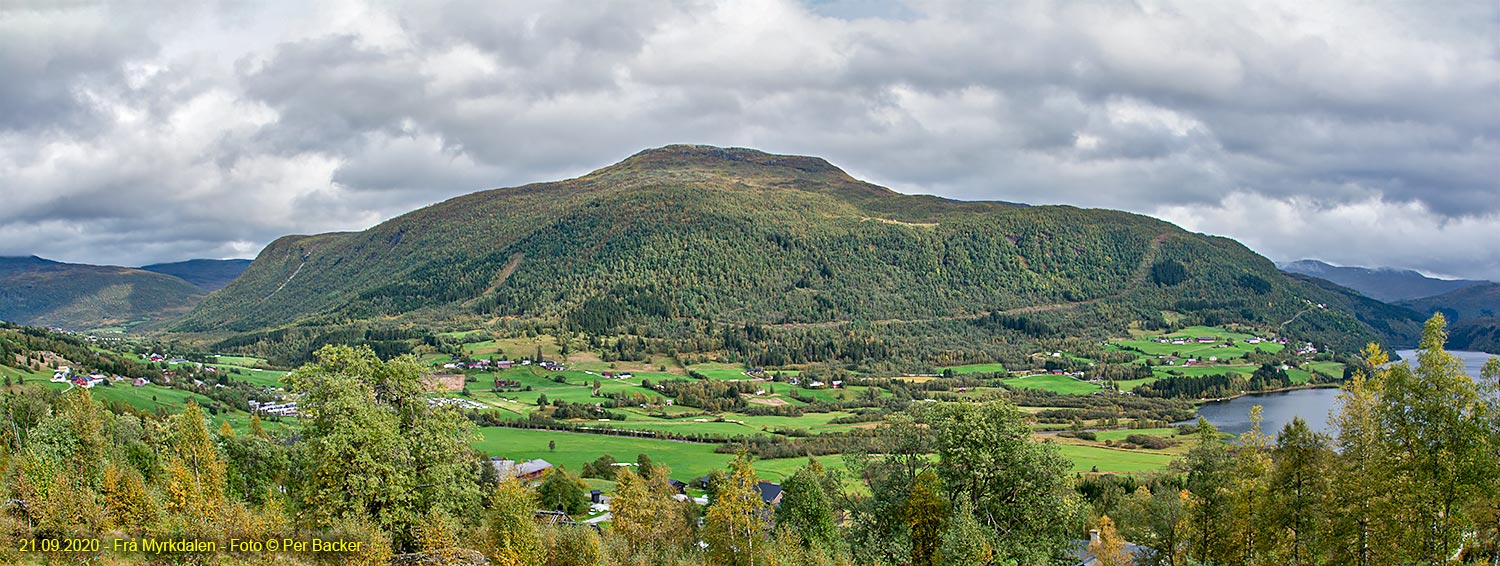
point(736, 525)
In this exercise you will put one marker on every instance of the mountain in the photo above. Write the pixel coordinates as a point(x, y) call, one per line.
point(1382, 283)
point(42, 292)
point(1469, 302)
point(208, 274)
point(682, 244)
point(1475, 334)
point(1473, 315)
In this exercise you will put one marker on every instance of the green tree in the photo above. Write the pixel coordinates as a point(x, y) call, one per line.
point(571, 546)
point(645, 516)
point(1209, 468)
point(965, 541)
point(197, 476)
point(1158, 519)
point(1435, 419)
point(806, 510)
point(1362, 503)
point(256, 466)
point(1249, 497)
point(563, 491)
point(1299, 491)
point(373, 445)
point(1019, 486)
point(643, 465)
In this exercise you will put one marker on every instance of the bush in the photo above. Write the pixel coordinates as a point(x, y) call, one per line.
point(1151, 442)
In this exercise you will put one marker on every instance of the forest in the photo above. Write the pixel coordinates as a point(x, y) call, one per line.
point(1406, 478)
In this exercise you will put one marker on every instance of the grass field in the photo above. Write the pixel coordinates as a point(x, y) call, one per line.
point(976, 368)
point(1110, 460)
point(1150, 347)
point(13, 373)
point(1331, 368)
point(1121, 434)
point(688, 460)
point(1060, 383)
point(149, 398)
point(1130, 384)
point(240, 361)
point(720, 371)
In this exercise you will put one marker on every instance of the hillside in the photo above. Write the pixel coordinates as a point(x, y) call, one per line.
point(1383, 283)
point(1470, 302)
point(207, 274)
point(798, 256)
point(42, 292)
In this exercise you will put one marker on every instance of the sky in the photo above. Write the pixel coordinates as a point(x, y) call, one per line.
point(1357, 132)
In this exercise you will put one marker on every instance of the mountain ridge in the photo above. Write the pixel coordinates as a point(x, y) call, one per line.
point(673, 240)
point(1388, 284)
point(43, 292)
point(207, 274)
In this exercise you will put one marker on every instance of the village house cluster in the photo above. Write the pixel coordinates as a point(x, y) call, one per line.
point(502, 365)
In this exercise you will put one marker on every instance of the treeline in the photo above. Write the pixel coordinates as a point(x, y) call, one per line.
point(1267, 377)
point(22, 346)
point(294, 346)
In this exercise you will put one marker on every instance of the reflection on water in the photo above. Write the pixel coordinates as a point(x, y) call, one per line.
point(1313, 405)
point(1278, 409)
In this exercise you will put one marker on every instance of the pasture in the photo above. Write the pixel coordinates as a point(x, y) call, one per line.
point(975, 368)
point(1066, 385)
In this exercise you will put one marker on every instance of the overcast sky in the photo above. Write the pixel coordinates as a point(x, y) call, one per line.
point(1361, 132)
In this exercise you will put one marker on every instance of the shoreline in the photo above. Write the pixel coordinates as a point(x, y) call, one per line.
point(1265, 391)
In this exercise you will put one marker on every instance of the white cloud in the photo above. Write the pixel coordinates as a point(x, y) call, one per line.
point(1364, 232)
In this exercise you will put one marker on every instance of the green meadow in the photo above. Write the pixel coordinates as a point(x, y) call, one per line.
point(1063, 384)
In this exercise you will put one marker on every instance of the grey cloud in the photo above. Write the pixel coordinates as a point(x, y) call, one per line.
point(339, 117)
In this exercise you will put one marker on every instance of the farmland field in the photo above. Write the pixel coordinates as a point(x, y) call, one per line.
point(1064, 384)
point(976, 368)
point(1192, 349)
point(687, 459)
point(1085, 458)
point(720, 371)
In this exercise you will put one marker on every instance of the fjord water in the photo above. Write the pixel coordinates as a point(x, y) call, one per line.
point(1313, 405)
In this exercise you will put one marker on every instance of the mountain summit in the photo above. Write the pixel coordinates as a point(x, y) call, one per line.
point(689, 234)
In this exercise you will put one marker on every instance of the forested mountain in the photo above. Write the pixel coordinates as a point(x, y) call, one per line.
point(1474, 311)
point(208, 274)
point(1470, 302)
point(792, 253)
point(42, 292)
point(1381, 283)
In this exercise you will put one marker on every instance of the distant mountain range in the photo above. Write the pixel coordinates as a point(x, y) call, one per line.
point(42, 292)
point(1471, 307)
point(1382, 283)
point(74, 296)
point(1473, 315)
point(207, 274)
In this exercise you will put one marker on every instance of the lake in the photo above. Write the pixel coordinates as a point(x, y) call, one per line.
point(1313, 405)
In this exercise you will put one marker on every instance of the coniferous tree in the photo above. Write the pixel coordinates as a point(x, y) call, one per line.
point(1299, 492)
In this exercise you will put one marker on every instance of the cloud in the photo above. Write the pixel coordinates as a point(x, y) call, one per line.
point(1366, 232)
point(142, 133)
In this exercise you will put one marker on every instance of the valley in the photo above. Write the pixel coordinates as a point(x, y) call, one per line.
point(694, 313)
